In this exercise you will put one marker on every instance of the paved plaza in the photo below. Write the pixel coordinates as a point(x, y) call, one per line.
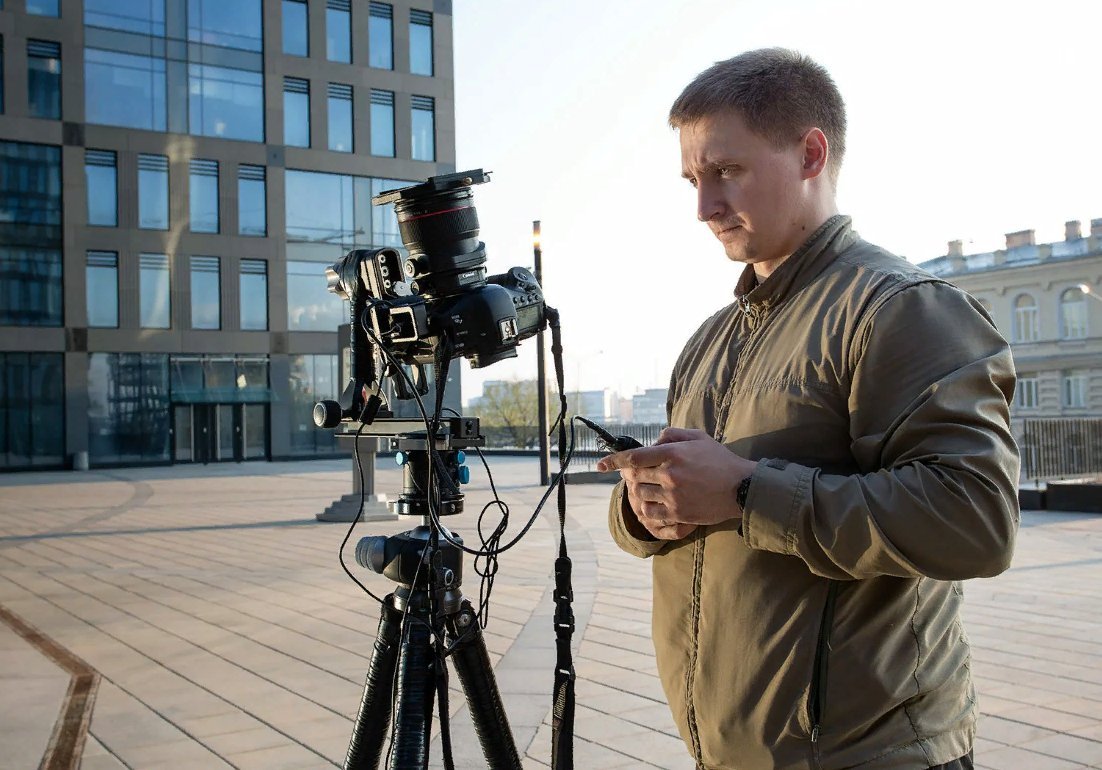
point(205, 614)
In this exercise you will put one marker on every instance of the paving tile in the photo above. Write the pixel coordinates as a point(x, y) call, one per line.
point(228, 636)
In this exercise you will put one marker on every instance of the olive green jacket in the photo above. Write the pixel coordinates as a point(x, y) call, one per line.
point(823, 630)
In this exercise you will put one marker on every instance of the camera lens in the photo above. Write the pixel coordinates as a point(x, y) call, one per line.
point(440, 230)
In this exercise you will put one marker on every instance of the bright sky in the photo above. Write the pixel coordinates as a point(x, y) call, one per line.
point(963, 121)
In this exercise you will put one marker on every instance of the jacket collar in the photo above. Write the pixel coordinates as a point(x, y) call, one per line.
point(818, 251)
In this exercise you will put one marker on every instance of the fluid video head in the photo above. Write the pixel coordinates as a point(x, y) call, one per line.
point(436, 303)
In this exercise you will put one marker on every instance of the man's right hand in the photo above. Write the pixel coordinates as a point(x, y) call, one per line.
point(656, 528)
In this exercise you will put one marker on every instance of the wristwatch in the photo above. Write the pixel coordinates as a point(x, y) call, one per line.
point(741, 493)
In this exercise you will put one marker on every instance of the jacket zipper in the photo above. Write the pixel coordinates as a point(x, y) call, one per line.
point(816, 699)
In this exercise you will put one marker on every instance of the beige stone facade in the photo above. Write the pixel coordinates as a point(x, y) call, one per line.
point(1046, 299)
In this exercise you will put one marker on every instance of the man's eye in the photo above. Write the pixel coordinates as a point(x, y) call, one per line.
point(726, 172)
point(692, 181)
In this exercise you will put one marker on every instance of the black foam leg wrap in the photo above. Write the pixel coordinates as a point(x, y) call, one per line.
point(373, 718)
point(416, 688)
point(472, 663)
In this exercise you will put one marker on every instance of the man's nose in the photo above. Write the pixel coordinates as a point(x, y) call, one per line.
point(709, 204)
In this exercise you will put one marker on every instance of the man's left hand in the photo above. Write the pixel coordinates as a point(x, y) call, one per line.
point(686, 477)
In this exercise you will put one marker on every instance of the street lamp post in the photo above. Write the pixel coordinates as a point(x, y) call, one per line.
point(541, 370)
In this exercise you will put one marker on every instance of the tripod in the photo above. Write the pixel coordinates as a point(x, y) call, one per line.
point(405, 668)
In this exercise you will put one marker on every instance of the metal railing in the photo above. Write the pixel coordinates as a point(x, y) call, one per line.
point(1061, 448)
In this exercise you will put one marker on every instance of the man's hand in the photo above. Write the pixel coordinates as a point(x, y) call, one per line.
point(686, 479)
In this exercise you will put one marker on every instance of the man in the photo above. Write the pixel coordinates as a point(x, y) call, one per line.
point(840, 458)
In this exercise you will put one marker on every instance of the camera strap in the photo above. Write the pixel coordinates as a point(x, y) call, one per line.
point(562, 715)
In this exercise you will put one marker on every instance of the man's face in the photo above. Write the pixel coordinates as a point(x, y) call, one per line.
point(750, 193)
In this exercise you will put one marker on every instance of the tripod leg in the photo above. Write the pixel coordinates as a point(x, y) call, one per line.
point(472, 663)
point(373, 718)
point(416, 687)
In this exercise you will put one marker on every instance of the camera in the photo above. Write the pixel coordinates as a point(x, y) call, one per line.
point(435, 303)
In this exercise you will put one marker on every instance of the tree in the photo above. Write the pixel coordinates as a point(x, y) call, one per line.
point(514, 406)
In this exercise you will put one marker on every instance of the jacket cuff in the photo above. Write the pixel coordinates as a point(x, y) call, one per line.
point(772, 507)
point(618, 509)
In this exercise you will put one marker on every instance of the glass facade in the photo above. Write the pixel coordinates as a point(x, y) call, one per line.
point(384, 222)
point(340, 117)
point(102, 288)
point(236, 24)
point(380, 36)
point(327, 214)
point(124, 89)
point(44, 7)
point(204, 196)
point(101, 176)
point(145, 17)
point(225, 102)
point(206, 293)
point(253, 283)
point(311, 307)
point(155, 303)
point(382, 123)
point(30, 235)
point(313, 378)
point(252, 201)
point(153, 192)
point(424, 127)
point(43, 79)
point(296, 30)
point(128, 413)
point(420, 42)
point(338, 30)
point(32, 404)
point(296, 112)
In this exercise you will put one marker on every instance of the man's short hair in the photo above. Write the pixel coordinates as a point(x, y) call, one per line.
point(779, 93)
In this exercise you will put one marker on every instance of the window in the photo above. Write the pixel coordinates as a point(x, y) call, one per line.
point(1, 71)
point(338, 30)
point(1075, 390)
point(101, 174)
point(32, 404)
point(206, 293)
point(340, 117)
point(382, 123)
point(44, 8)
point(380, 36)
point(1026, 326)
point(254, 294)
point(327, 214)
point(153, 192)
point(44, 79)
point(311, 307)
point(129, 412)
point(1073, 314)
point(1027, 393)
point(296, 29)
point(102, 285)
point(420, 42)
point(204, 196)
point(30, 246)
point(122, 89)
point(252, 201)
point(424, 128)
point(296, 112)
point(313, 377)
point(236, 24)
point(155, 305)
point(225, 102)
point(146, 17)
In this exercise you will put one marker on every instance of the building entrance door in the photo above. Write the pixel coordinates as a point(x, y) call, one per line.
point(210, 433)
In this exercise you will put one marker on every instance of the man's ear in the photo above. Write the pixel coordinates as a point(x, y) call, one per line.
point(816, 153)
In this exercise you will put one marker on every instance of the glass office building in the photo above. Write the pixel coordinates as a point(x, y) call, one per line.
point(175, 175)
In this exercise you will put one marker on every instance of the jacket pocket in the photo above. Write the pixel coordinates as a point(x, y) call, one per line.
point(816, 699)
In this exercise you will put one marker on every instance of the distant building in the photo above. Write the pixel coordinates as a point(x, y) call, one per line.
point(1044, 298)
point(175, 176)
point(591, 404)
point(649, 407)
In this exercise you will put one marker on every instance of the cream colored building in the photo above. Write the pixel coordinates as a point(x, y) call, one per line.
point(1046, 299)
